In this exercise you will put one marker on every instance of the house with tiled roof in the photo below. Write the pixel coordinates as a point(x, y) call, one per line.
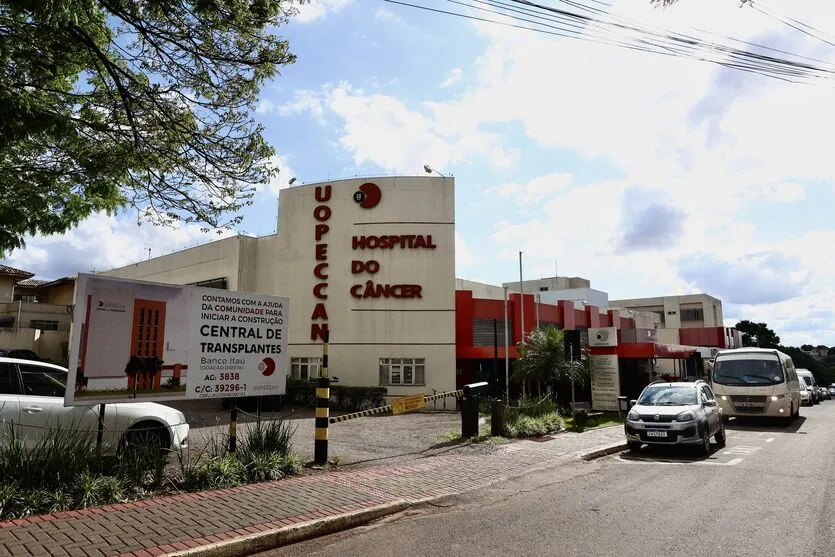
point(9, 278)
point(35, 314)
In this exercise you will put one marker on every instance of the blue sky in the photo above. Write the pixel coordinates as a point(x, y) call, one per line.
point(648, 175)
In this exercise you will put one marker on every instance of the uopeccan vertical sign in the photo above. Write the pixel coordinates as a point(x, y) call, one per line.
point(138, 341)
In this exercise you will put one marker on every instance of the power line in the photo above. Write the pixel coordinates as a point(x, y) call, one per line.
point(596, 28)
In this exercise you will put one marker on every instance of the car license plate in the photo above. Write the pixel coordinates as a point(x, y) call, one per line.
point(656, 433)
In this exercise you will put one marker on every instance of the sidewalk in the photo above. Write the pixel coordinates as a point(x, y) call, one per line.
point(243, 520)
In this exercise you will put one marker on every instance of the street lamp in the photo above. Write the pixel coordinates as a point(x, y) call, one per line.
point(290, 183)
point(430, 170)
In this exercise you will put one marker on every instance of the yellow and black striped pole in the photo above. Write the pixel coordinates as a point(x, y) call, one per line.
point(323, 396)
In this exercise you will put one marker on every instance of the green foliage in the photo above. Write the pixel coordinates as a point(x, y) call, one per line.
point(542, 358)
point(757, 334)
point(106, 104)
point(528, 418)
point(302, 392)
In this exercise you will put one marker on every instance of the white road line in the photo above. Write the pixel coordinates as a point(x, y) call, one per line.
point(770, 439)
point(741, 450)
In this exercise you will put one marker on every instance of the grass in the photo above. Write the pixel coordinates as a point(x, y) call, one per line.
point(483, 437)
point(61, 471)
point(606, 420)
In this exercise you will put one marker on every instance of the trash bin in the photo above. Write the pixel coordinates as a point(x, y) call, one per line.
point(623, 405)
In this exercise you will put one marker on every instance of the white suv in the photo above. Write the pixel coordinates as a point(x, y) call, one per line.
point(675, 413)
point(32, 398)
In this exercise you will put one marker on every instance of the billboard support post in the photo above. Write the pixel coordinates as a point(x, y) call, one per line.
point(100, 433)
point(233, 429)
point(323, 395)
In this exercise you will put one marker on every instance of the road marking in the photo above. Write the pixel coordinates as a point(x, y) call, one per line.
point(770, 439)
point(741, 450)
point(644, 461)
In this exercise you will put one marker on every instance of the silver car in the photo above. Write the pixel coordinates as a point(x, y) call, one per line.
point(675, 413)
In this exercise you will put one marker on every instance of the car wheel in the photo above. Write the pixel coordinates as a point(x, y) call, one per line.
point(144, 440)
point(706, 441)
point(633, 446)
point(726, 419)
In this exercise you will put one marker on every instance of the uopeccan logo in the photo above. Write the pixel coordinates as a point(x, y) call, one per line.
point(267, 367)
point(368, 195)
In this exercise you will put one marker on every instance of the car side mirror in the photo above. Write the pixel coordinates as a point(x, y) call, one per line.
point(633, 403)
point(710, 403)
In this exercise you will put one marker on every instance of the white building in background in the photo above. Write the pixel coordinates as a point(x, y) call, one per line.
point(370, 261)
point(688, 311)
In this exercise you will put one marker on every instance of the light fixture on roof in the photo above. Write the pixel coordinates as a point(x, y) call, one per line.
point(290, 183)
point(430, 170)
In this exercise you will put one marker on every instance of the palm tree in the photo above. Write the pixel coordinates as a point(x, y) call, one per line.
point(542, 359)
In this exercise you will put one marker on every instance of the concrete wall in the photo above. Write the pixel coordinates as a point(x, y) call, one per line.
point(596, 298)
point(480, 290)
point(671, 307)
point(551, 283)
point(62, 294)
point(51, 345)
point(6, 288)
point(30, 311)
point(220, 259)
point(363, 330)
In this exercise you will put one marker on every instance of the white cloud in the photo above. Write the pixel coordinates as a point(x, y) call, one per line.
point(528, 194)
point(317, 9)
point(465, 257)
point(101, 243)
point(265, 107)
point(381, 129)
point(304, 101)
point(282, 179)
point(386, 15)
point(783, 192)
point(453, 77)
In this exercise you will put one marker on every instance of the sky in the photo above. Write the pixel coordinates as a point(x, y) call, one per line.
point(649, 175)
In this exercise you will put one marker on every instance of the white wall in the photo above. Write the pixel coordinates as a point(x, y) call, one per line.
point(218, 259)
point(480, 290)
point(364, 330)
point(596, 298)
point(50, 345)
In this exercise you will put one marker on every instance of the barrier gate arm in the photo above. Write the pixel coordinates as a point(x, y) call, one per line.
point(388, 407)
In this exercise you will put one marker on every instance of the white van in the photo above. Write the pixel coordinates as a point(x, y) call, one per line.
point(807, 375)
point(756, 382)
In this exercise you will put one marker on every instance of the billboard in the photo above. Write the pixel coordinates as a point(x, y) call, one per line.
point(136, 341)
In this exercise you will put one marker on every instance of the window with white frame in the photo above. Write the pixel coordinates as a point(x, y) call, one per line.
point(402, 371)
point(305, 368)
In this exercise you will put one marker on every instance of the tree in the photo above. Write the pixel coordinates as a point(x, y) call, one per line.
point(542, 358)
point(806, 347)
point(757, 334)
point(141, 104)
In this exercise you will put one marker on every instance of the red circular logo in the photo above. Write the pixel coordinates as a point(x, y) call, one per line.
point(368, 195)
point(267, 367)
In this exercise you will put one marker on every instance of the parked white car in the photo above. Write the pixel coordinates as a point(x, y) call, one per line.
point(805, 393)
point(32, 397)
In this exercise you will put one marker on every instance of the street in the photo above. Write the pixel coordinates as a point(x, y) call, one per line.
point(768, 492)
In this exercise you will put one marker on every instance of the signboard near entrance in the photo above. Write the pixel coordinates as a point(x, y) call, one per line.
point(408, 404)
point(605, 382)
point(135, 341)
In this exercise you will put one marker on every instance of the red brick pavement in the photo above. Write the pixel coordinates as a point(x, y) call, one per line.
point(176, 523)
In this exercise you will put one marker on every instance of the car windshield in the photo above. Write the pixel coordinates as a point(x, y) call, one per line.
point(802, 385)
point(807, 379)
point(668, 396)
point(747, 371)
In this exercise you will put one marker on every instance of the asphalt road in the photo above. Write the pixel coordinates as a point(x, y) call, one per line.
point(768, 492)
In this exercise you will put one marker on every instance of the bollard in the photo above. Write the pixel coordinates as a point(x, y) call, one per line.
point(497, 418)
point(233, 429)
point(323, 396)
point(469, 408)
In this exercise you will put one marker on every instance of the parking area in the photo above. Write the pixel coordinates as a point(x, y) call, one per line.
point(747, 439)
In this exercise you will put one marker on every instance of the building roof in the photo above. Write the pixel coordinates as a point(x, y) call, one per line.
point(17, 274)
point(56, 282)
point(31, 283)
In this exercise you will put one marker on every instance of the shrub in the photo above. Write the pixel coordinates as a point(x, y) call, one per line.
point(530, 418)
point(302, 392)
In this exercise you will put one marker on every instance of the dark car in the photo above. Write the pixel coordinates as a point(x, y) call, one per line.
point(20, 354)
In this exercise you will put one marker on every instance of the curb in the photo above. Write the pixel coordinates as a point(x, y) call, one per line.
point(604, 451)
point(279, 537)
